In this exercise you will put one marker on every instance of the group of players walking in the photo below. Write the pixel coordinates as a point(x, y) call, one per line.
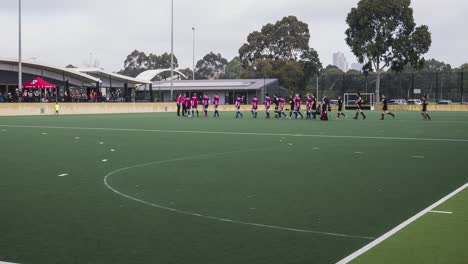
point(188, 107)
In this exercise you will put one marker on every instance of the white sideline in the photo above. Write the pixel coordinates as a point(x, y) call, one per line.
point(240, 133)
point(400, 227)
point(2, 262)
point(162, 207)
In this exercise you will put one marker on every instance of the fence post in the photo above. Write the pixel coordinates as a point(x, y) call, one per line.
point(461, 86)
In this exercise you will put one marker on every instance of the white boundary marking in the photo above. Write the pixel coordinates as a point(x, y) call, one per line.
point(3, 262)
point(63, 175)
point(440, 212)
point(108, 176)
point(400, 227)
point(242, 133)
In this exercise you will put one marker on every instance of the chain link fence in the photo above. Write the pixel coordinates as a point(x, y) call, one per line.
point(436, 85)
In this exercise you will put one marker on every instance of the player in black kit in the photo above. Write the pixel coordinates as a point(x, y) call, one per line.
point(340, 107)
point(292, 104)
point(359, 109)
point(276, 102)
point(385, 110)
point(424, 110)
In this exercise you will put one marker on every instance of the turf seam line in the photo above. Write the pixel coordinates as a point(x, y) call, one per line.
point(219, 219)
point(242, 133)
point(441, 212)
point(400, 227)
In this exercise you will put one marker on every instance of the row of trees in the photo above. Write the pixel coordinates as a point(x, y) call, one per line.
point(382, 35)
point(279, 50)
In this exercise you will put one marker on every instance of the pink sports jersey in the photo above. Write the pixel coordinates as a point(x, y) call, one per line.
point(267, 101)
point(206, 100)
point(216, 100)
point(195, 101)
point(238, 101)
point(179, 99)
point(282, 102)
point(309, 102)
point(187, 102)
point(298, 101)
point(255, 102)
point(182, 100)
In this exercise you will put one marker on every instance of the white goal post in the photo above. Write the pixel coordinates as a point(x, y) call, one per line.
point(350, 101)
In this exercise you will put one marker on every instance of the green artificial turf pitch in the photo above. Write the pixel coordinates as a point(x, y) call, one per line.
point(182, 190)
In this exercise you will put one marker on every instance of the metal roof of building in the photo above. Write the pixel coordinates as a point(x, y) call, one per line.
point(214, 85)
point(151, 74)
point(100, 73)
point(59, 70)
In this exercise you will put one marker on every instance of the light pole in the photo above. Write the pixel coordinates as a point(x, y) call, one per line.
point(193, 68)
point(172, 49)
point(20, 66)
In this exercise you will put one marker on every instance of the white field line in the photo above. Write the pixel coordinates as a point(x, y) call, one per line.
point(219, 219)
point(241, 133)
point(3, 262)
point(441, 212)
point(400, 227)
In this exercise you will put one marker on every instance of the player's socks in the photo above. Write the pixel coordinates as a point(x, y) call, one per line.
point(285, 114)
point(302, 116)
point(343, 115)
point(197, 114)
point(363, 115)
point(268, 115)
point(383, 117)
point(253, 113)
point(290, 114)
point(357, 115)
point(428, 117)
point(392, 115)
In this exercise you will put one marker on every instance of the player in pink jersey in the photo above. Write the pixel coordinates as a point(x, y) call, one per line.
point(188, 104)
point(297, 103)
point(216, 105)
point(267, 105)
point(195, 105)
point(254, 106)
point(309, 107)
point(282, 105)
point(206, 104)
point(238, 107)
point(179, 104)
point(182, 103)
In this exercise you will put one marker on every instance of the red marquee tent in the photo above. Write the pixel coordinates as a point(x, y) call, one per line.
point(38, 83)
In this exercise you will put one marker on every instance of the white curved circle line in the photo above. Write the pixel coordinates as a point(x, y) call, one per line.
point(106, 183)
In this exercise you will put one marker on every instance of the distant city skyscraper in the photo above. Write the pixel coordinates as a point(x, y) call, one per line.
point(339, 60)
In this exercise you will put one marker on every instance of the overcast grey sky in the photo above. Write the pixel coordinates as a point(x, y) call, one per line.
point(60, 32)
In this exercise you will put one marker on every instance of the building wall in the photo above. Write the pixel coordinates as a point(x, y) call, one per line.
point(37, 109)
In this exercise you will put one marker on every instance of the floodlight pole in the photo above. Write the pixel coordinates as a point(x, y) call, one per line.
point(172, 50)
point(317, 87)
point(193, 69)
point(20, 66)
